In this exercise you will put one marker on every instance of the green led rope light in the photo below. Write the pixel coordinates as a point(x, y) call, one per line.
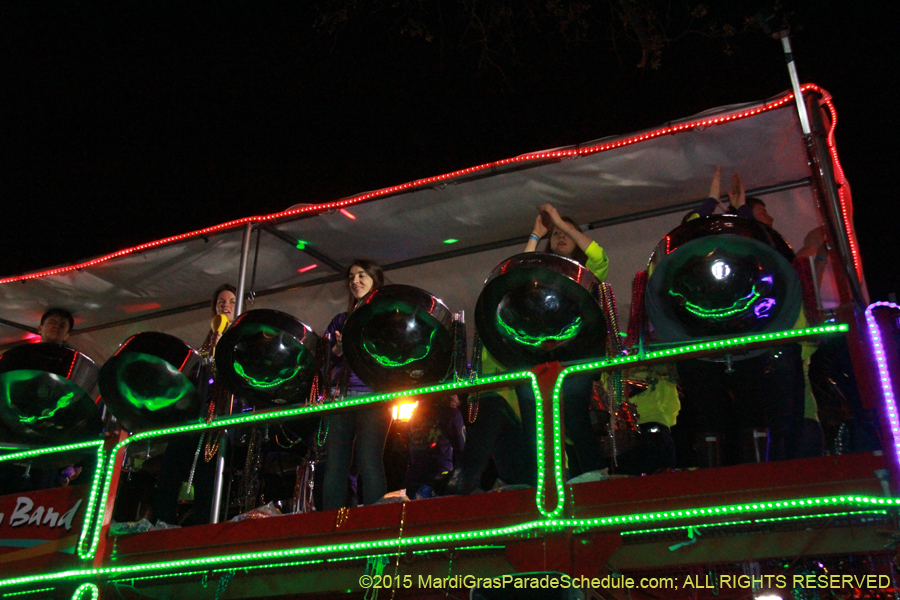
point(90, 512)
point(557, 444)
point(753, 521)
point(89, 552)
point(392, 542)
point(298, 563)
point(823, 516)
point(95, 484)
point(714, 345)
point(162, 576)
point(40, 451)
point(539, 425)
point(671, 352)
point(82, 591)
point(11, 594)
point(558, 449)
point(685, 527)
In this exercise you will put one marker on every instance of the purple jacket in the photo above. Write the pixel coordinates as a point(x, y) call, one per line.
point(337, 362)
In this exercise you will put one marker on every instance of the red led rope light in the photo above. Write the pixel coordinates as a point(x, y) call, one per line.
point(184, 362)
point(72, 366)
point(338, 205)
point(843, 188)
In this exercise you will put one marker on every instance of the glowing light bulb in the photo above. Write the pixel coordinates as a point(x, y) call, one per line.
point(720, 269)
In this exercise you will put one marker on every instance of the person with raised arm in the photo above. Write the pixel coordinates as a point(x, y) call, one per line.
point(565, 238)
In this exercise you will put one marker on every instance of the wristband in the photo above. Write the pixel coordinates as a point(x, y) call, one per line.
point(534, 237)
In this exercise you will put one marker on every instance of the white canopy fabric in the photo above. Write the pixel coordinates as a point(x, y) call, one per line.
point(629, 190)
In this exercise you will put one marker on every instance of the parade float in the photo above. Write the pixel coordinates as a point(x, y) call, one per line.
point(810, 527)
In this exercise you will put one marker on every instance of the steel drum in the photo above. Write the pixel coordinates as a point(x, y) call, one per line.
point(150, 382)
point(49, 395)
point(267, 358)
point(399, 338)
point(537, 307)
point(721, 276)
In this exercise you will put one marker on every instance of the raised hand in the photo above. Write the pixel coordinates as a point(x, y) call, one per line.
point(554, 215)
point(539, 229)
point(737, 196)
point(715, 187)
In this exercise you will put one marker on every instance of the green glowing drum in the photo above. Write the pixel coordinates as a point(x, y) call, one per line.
point(399, 338)
point(49, 395)
point(150, 382)
point(721, 276)
point(267, 358)
point(537, 307)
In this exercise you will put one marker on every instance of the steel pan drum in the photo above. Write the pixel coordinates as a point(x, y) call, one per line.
point(537, 307)
point(267, 358)
point(721, 275)
point(399, 338)
point(49, 395)
point(150, 382)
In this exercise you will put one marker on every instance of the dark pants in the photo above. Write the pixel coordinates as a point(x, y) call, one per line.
point(763, 393)
point(176, 468)
point(495, 432)
point(576, 399)
point(363, 433)
point(653, 451)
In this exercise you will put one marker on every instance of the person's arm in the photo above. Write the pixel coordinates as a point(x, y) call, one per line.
point(332, 333)
point(704, 210)
point(457, 434)
point(537, 232)
point(715, 186)
point(597, 261)
point(738, 196)
point(709, 206)
point(581, 240)
point(812, 243)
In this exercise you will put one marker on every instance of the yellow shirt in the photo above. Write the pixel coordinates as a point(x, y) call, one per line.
point(659, 403)
point(490, 366)
point(597, 261)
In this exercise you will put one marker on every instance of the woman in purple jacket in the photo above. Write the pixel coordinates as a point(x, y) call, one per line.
point(361, 432)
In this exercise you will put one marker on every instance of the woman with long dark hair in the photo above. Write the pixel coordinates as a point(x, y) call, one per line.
point(362, 432)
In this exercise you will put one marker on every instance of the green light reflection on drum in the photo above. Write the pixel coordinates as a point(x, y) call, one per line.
point(11, 378)
point(161, 398)
point(260, 384)
point(49, 412)
point(567, 333)
point(384, 361)
point(739, 306)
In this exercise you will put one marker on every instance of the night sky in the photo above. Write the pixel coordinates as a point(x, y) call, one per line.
point(128, 121)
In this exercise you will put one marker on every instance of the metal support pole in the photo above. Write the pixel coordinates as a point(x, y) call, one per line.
point(216, 506)
point(795, 82)
point(242, 276)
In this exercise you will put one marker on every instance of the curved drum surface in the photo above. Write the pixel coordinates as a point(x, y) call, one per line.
point(722, 275)
point(537, 307)
point(267, 358)
point(150, 382)
point(399, 338)
point(49, 395)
